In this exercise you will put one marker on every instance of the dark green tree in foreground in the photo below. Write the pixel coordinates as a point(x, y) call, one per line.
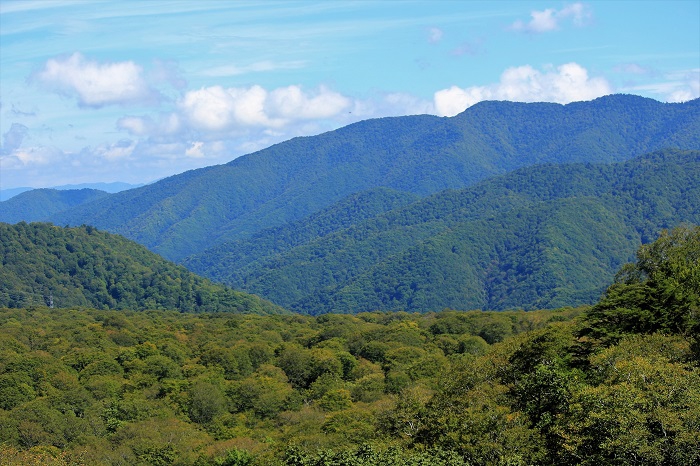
point(658, 293)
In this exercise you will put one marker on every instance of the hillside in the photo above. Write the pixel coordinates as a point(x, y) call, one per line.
point(617, 383)
point(38, 204)
point(45, 265)
point(539, 237)
point(188, 213)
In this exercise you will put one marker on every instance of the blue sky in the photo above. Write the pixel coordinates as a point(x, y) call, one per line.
point(133, 91)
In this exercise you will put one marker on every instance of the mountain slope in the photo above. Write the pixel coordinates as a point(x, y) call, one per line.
point(38, 204)
point(187, 213)
point(47, 265)
point(541, 236)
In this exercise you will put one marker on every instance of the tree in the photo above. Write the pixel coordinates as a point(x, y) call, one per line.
point(206, 401)
point(645, 410)
point(660, 292)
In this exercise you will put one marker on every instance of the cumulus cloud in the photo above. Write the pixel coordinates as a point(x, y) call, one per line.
point(567, 83)
point(219, 109)
point(292, 102)
point(550, 19)
point(96, 84)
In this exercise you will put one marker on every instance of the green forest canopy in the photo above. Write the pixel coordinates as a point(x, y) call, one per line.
point(617, 383)
point(47, 265)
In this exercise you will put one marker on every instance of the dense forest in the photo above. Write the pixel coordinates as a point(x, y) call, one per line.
point(187, 213)
point(615, 383)
point(539, 237)
point(53, 266)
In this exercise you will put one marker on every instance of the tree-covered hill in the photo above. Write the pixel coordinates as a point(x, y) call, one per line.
point(539, 237)
point(188, 213)
point(38, 204)
point(617, 383)
point(45, 265)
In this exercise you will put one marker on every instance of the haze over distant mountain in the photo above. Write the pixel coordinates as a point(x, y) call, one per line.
point(38, 204)
point(539, 237)
point(196, 210)
point(115, 187)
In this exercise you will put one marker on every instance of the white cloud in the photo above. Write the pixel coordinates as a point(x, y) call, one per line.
point(195, 150)
point(567, 83)
point(218, 109)
point(579, 13)
point(119, 150)
point(450, 102)
point(541, 21)
point(679, 86)
point(292, 103)
point(22, 158)
point(137, 126)
point(550, 19)
point(96, 84)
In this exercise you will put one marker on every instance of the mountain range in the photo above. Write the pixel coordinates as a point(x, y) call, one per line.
point(539, 237)
point(504, 205)
point(188, 213)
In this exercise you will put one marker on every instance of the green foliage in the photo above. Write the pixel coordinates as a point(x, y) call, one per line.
point(183, 388)
point(206, 401)
point(366, 455)
point(211, 389)
point(659, 292)
point(44, 265)
point(645, 410)
point(540, 237)
point(234, 457)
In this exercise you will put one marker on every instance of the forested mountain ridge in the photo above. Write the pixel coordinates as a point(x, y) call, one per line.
point(45, 265)
point(188, 213)
point(543, 236)
point(38, 204)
